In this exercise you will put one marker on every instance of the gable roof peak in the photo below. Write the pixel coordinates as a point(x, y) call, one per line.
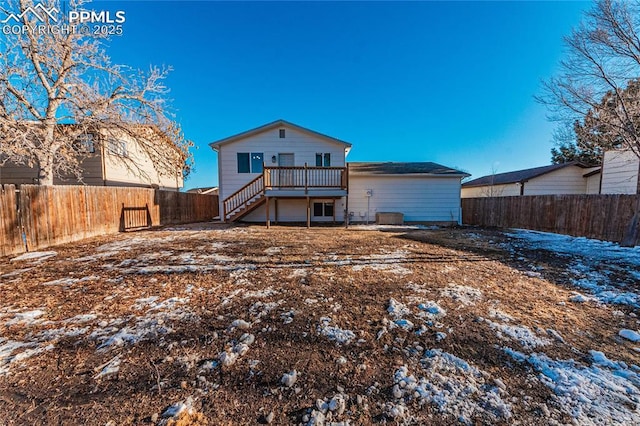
point(273, 125)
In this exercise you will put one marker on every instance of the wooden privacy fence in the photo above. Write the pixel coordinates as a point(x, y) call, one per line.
point(42, 216)
point(10, 235)
point(605, 217)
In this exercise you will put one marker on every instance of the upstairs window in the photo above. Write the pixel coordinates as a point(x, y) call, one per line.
point(84, 144)
point(323, 160)
point(117, 147)
point(250, 162)
point(243, 162)
point(282, 135)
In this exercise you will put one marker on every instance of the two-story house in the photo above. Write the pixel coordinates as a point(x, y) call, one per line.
point(107, 159)
point(284, 172)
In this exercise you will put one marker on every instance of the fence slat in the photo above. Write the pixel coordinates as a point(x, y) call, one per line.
point(605, 217)
point(10, 234)
point(63, 214)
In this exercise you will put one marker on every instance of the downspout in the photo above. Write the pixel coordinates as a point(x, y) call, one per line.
point(602, 174)
point(220, 191)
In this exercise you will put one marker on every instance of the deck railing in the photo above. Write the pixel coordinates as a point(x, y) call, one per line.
point(297, 177)
point(300, 178)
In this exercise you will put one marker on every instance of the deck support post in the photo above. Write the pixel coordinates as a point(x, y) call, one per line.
point(268, 214)
point(335, 201)
point(275, 202)
point(308, 212)
point(346, 211)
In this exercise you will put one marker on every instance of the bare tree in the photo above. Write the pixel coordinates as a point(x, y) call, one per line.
point(56, 86)
point(597, 81)
point(492, 190)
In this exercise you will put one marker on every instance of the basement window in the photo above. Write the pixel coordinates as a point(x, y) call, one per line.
point(323, 209)
point(282, 134)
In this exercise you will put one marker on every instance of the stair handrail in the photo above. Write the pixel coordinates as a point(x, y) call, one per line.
point(240, 198)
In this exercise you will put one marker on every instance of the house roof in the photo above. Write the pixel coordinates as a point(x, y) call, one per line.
point(393, 168)
point(205, 190)
point(519, 176)
point(592, 173)
point(274, 125)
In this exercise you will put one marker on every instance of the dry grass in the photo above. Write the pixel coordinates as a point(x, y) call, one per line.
point(221, 274)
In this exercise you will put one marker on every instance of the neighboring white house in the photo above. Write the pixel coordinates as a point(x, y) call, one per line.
point(567, 178)
point(620, 172)
point(283, 172)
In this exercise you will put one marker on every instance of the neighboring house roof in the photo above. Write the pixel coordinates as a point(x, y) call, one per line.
point(205, 190)
point(274, 125)
point(519, 176)
point(393, 168)
point(592, 173)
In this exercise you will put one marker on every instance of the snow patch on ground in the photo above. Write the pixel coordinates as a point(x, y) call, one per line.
point(461, 293)
point(12, 352)
point(69, 281)
point(154, 324)
point(452, 386)
point(81, 318)
point(397, 310)
point(35, 256)
point(634, 336)
point(521, 334)
point(259, 294)
point(431, 310)
point(15, 273)
point(111, 367)
point(605, 392)
point(580, 298)
point(335, 333)
point(26, 318)
point(235, 352)
point(591, 263)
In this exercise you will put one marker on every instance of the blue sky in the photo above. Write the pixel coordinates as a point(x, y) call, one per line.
point(449, 82)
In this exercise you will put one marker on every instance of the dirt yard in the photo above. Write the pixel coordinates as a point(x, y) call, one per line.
point(210, 324)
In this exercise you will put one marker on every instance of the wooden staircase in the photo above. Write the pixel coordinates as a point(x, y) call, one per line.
point(244, 200)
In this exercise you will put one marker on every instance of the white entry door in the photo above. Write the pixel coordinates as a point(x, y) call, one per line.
point(285, 177)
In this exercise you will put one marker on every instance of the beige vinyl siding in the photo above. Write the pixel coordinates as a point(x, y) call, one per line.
point(419, 198)
point(491, 191)
point(593, 184)
point(302, 145)
point(620, 172)
point(568, 180)
point(121, 172)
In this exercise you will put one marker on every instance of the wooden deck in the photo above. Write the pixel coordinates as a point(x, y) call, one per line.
point(287, 182)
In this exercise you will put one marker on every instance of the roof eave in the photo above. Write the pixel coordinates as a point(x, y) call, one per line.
point(461, 175)
point(278, 123)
